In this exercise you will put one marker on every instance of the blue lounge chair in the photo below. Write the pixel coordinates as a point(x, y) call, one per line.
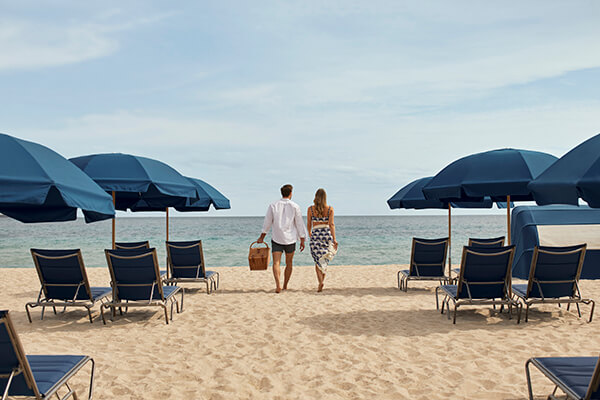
point(483, 242)
point(39, 376)
point(136, 282)
point(487, 242)
point(484, 279)
point(185, 262)
point(577, 377)
point(64, 282)
point(427, 262)
point(554, 278)
point(132, 245)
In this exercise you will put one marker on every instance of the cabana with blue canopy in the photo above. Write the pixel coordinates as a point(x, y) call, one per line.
point(411, 197)
point(575, 175)
point(39, 185)
point(132, 178)
point(207, 195)
point(501, 174)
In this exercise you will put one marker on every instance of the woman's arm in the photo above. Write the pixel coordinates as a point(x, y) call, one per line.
point(309, 221)
point(332, 226)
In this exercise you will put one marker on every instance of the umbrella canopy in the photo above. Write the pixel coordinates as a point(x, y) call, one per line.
point(411, 196)
point(206, 195)
point(495, 173)
point(39, 185)
point(500, 174)
point(133, 178)
point(575, 175)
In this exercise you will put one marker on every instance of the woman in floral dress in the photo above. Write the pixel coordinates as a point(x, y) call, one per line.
point(321, 228)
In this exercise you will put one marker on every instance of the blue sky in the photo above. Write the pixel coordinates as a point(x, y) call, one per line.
point(357, 97)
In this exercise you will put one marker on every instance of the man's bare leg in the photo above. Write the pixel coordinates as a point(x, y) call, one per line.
point(289, 258)
point(277, 270)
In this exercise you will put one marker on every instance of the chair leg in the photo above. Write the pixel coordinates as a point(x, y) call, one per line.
point(43, 309)
point(592, 311)
point(27, 305)
point(455, 308)
point(437, 303)
point(399, 285)
point(528, 375)
point(578, 309)
point(207, 287)
point(90, 314)
point(102, 313)
point(182, 293)
point(527, 312)
point(166, 313)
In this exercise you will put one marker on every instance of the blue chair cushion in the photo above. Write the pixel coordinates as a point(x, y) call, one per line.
point(405, 272)
point(163, 272)
point(49, 370)
point(100, 292)
point(169, 291)
point(574, 372)
point(210, 274)
point(520, 290)
point(450, 290)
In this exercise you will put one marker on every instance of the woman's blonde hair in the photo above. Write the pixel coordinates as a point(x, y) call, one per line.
point(320, 203)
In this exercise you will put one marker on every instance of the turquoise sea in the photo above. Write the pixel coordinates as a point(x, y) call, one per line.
point(364, 240)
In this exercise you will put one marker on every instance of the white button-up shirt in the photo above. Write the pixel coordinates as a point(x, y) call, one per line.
point(285, 217)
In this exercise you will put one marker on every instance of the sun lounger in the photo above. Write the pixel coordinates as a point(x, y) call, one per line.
point(484, 279)
point(35, 376)
point(577, 377)
point(132, 245)
point(185, 262)
point(427, 262)
point(64, 282)
point(483, 242)
point(136, 282)
point(486, 242)
point(554, 278)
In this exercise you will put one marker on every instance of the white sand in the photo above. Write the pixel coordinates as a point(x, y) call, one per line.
point(361, 338)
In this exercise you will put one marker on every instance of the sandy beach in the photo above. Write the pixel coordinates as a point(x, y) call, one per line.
point(361, 338)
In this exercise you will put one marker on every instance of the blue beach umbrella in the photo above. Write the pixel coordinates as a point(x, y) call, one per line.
point(411, 197)
point(39, 185)
point(207, 195)
point(132, 178)
point(500, 174)
point(575, 175)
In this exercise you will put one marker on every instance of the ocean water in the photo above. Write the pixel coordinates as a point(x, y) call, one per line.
point(363, 240)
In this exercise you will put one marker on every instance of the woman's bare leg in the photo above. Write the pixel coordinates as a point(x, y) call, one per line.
point(320, 278)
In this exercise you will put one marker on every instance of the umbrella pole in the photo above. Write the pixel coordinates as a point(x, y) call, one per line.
point(167, 210)
point(508, 217)
point(113, 220)
point(449, 241)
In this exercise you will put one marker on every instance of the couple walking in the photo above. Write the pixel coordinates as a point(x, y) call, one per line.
point(285, 219)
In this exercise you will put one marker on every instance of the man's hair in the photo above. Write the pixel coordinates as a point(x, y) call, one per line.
point(286, 190)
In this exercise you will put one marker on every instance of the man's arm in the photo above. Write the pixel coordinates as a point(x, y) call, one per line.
point(266, 225)
point(300, 227)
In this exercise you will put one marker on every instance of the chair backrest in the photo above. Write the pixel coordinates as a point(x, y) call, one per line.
point(428, 257)
point(14, 360)
point(487, 242)
point(555, 271)
point(134, 274)
point(62, 274)
point(186, 259)
point(132, 245)
point(485, 272)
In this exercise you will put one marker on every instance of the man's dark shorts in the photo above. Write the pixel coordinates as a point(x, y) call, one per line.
point(288, 248)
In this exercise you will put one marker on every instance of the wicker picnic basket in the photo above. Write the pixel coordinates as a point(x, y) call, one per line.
point(258, 257)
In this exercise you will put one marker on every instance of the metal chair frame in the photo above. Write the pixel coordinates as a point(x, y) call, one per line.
point(575, 299)
point(46, 302)
point(458, 302)
point(155, 285)
point(25, 369)
point(414, 267)
point(558, 384)
point(211, 282)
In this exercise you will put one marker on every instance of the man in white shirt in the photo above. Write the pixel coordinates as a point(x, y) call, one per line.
point(285, 219)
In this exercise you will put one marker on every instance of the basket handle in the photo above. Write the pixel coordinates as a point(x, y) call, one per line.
point(257, 242)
